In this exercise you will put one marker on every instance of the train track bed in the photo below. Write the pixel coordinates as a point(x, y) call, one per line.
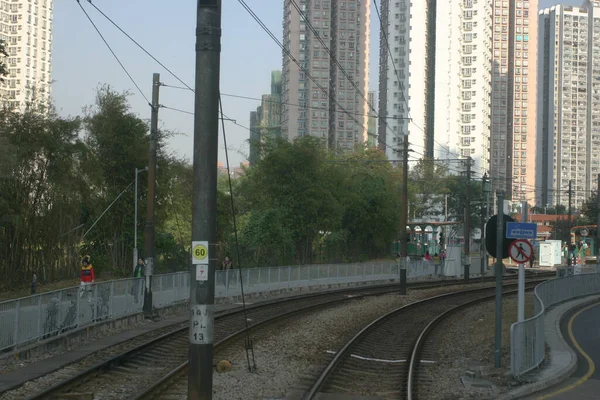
point(152, 363)
point(293, 350)
point(463, 347)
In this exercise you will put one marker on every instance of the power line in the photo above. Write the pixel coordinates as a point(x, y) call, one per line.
point(386, 43)
point(331, 56)
point(287, 53)
point(138, 45)
point(113, 53)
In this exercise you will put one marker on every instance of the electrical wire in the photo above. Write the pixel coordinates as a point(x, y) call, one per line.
point(138, 45)
point(249, 346)
point(113, 53)
point(303, 69)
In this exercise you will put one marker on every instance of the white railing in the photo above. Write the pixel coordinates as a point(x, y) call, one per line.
point(34, 318)
point(527, 342)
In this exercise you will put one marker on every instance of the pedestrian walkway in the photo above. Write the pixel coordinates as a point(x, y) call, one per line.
point(562, 368)
point(581, 330)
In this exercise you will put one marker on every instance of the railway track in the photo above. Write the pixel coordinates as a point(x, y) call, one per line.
point(142, 365)
point(162, 359)
point(384, 359)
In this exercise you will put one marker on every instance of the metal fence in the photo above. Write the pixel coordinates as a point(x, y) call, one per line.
point(169, 289)
point(527, 342)
point(34, 318)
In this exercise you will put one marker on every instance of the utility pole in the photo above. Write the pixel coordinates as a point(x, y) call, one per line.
point(404, 198)
point(570, 245)
point(467, 222)
point(204, 204)
point(598, 226)
point(521, 282)
point(149, 228)
point(499, 273)
point(484, 217)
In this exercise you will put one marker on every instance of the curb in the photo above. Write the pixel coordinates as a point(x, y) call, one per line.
point(563, 373)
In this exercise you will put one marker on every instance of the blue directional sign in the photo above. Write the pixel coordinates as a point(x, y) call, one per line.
point(518, 230)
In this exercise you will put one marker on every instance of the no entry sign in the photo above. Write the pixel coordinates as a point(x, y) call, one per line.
point(520, 251)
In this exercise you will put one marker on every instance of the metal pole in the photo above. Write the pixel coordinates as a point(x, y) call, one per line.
point(135, 249)
point(404, 207)
point(149, 228)
point(204, 205)
point(467, 221)
point(484, 218)
point(598, 226)
point(570, 245)
point(521, 283)
point(499, 272)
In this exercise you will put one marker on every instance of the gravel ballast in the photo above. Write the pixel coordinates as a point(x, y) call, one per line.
point(464, 346)
point(292, 354)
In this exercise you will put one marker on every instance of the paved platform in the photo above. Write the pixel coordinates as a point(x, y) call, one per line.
point(581, 330)
point(563, 359)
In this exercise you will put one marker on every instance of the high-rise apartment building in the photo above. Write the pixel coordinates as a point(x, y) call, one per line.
point(568, 103)
point(463, 81)
point(435, 85)
point(404, 54)
point(513, 139)
point(372, 123)
point(307, 108)
point(26, 30)
point(265, 122)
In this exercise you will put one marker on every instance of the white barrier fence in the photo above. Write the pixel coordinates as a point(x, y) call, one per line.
point(38, 317)
point(34, 318)
point(169, 289)
point(527, 341)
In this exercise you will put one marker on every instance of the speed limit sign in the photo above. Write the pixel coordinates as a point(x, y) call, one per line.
point(200, 252)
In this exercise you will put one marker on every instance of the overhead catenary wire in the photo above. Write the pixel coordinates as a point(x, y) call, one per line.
point(113, 53)
point(293, 59)
point(248, 346)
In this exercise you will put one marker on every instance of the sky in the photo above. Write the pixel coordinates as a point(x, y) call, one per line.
point(82, 62)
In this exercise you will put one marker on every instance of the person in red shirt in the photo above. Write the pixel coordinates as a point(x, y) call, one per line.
point(87, 273)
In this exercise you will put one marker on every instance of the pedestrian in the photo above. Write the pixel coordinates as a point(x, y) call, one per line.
point(532, 260)
point(138, 273)
point(33, 283)
point(427, 256)
point(87, 274)
point(227, 264)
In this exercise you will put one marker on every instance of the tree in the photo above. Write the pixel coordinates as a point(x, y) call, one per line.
point(39, 195)
point(3, 54)
point(426, 183)
point(589, 210)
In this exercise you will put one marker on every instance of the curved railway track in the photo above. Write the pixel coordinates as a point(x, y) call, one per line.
point(160, 361)
point(390, 349)
point(132, 370)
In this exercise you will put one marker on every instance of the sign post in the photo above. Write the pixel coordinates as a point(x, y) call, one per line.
point(520, 252)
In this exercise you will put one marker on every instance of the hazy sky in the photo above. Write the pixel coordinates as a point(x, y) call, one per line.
point(81, 61)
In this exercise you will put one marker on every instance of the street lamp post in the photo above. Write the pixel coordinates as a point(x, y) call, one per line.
point(135, 249)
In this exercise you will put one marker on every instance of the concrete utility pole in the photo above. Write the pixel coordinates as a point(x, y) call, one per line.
point(149, 228)
point(569, 245)
point(467, 221)
point(204, 204)
point(598, 226)
point(499, 273)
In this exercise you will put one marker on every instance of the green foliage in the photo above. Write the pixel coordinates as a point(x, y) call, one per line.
point(589, 211)
point(304, 205)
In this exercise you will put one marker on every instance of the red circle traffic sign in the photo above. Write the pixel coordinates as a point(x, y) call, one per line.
point(520, 251)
